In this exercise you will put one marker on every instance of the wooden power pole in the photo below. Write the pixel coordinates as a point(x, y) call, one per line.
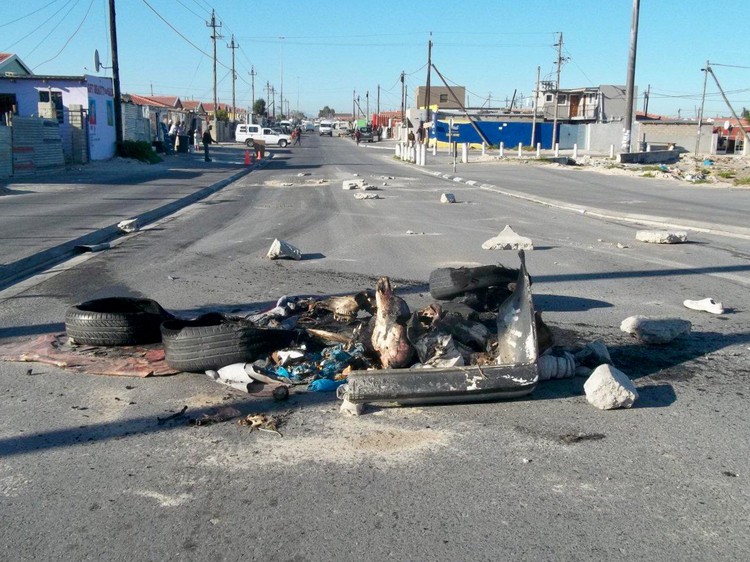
point(233, 46)
point(115, 75)
point(214, 36)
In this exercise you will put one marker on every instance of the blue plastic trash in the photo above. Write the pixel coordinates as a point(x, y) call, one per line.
point(325, 385)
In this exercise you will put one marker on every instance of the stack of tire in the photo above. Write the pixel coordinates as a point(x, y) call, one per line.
point(210, 341)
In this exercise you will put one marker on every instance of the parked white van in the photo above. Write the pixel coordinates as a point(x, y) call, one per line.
point(325, 128)
point(341, 128)
point(246, 132)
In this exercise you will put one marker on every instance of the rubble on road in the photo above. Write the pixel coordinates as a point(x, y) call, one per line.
point(656, 330)
point(128, 226)
point(508, 240)
point(367, 196)
point(661, 236)
point(608, 388)
point(447, 198)
point(280, 249)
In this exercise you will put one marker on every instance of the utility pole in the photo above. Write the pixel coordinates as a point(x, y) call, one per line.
point(378, 103)
point(214, 36)
point(557, 90)
point(359, 107)
point(273, 102)
point(427, 84)
point(252, 87)
point(282, 76)
point(403, 100)
point(630, 84)
point(233, 46)
point(729, 105)
point(367, 97)
point(703, 102)
point(534, 108)
point(115, 75)
point(646, 96)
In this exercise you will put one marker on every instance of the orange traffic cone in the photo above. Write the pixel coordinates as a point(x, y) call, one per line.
point(247, 158)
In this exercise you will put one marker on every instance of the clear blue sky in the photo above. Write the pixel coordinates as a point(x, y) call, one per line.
point(331, 48)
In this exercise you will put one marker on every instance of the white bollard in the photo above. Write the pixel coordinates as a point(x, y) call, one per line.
point(538, 150)
point(417, 156)
point(520, 150)
point(502, 149)
point(413, 154)
point(398, 151)
point(611, 150)
point(465, 153)
point(484, 149)
point(434, 148)
point(575, 152)
point(648, 147)
point(424, 155)
point(557, 149)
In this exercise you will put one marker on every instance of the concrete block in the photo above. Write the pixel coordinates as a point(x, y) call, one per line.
point(281, 249)
point(594, 354)
point(661, 236)
point(608, 388)
point(653, 330)
point(508, 240)
point(447, 198)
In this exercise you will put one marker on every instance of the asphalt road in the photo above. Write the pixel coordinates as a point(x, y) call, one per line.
point(88, 472)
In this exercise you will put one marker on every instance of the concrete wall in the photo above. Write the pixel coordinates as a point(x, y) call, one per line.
point(655, 157)
point(682, 134)
point(135, 126)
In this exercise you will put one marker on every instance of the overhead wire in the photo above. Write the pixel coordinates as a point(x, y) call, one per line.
point(29, 14)
point(52, 30)
point(38, 27)
point(86, 15)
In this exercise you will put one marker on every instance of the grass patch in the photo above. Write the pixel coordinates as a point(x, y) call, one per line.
point(742, 181)
point(651, 169)
point(139, 150)
point(648, 175)
point(726, 175)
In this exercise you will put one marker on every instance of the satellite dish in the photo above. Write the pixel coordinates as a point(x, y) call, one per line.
point(97, 62)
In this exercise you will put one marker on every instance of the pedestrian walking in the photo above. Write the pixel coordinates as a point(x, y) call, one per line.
point(297, 135)
point(357, 135)
point(206, 141)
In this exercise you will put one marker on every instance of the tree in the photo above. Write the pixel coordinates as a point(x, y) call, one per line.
point(746, 113)
point(327, 112)
point(222, 114)
point(259, 107)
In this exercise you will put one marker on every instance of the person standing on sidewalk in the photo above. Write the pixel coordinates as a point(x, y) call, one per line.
point(206, 141)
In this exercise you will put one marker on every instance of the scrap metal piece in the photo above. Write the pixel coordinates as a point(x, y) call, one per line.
point(513, 374)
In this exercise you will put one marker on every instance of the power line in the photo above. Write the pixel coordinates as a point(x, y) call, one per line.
point(29, 14)
point(86, 15)
point(189, 10)
point(181, 35)
point(37, 28)
point(53, 29)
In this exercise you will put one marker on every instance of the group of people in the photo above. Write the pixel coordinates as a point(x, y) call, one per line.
point(175, 131)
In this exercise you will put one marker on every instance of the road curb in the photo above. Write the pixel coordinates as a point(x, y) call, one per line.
point(26, 267)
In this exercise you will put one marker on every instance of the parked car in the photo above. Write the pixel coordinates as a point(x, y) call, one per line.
point(325, 128)
point(309, 126)
point(248, 132)
point(365, 134)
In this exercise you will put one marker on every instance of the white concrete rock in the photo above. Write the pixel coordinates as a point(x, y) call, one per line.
point(661, 236)
point(508, 240)
point(594, 354)
point(447, 198)
point(653, 330)
point(366, 196)
point(351, 409)
point(348, 185)
point(281, 249)
point(130, 225)
point(608, 388)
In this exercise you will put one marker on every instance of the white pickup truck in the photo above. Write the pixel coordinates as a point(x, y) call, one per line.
point(248, 132)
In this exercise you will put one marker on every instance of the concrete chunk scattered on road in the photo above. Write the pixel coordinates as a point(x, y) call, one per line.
point(661, 236)
point(366, 196)
point(508, 240)
point(593, 354)
point(447, 198)
point(653, 330)
point(130, 225)
point(281, 249)
point(608, 388)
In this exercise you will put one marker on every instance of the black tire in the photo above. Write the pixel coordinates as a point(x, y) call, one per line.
point(283, 143)
point(249, 142)
point(115, 321)
point(213, 341)
point(447, 282)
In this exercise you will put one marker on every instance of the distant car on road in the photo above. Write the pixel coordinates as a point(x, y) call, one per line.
point(365, 134)
point(325, 128)
point(248, 132)
point(309, 126)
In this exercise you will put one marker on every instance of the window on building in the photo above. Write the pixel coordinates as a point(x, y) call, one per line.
point(443, 98)
point(56, 98)
point(8, 103)
point(548, 98)
point(562, 99)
